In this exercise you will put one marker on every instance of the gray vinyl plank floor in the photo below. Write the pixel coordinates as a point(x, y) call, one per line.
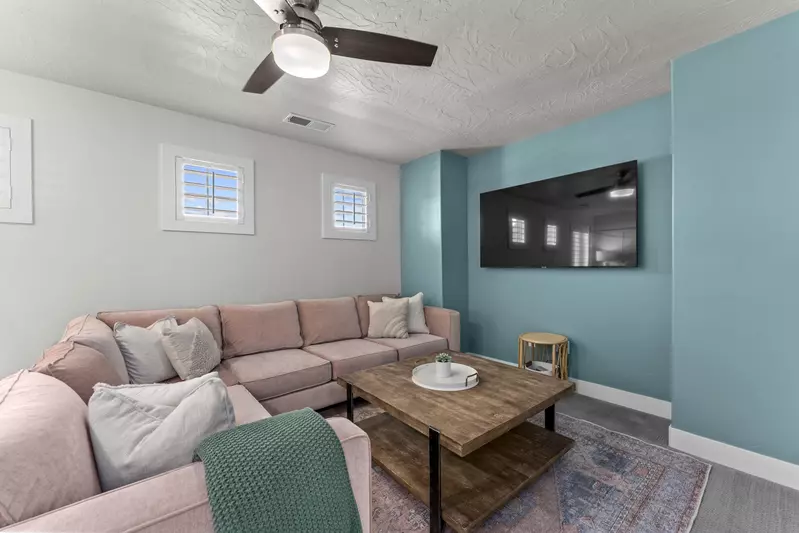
point(733, 502)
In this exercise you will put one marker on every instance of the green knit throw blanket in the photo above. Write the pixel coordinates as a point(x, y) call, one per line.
point(282, 474)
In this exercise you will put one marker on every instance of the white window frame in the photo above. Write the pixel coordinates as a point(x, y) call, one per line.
point(16, 189)
point(172, 218)
point(329, 229)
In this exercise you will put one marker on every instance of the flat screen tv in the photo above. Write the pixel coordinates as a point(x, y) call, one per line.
point(583, 220)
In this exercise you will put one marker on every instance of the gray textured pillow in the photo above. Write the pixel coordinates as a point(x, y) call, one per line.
point(191, 349)
point(139, 431)
point(388, 320)
point(416, 320)
point(144, 354)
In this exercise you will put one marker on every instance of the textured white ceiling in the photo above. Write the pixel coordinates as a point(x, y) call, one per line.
point(506, 69)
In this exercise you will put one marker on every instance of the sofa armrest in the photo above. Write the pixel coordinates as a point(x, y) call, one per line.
point(177, 501)
point(444, 323)
point(358, 453)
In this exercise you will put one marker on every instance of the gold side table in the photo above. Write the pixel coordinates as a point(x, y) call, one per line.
point(559, 358)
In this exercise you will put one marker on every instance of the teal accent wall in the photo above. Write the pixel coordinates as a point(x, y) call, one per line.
point(454, 239)
point(420, 192)
point(619, 321)
point(736, 240)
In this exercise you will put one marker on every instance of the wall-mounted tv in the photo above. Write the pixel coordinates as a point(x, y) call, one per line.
point(583, 220)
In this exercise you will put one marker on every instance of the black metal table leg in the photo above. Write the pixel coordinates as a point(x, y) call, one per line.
point(436, 518)
point(350, 403)
point(549, 418)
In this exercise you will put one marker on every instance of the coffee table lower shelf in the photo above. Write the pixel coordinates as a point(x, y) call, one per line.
point(474, 486)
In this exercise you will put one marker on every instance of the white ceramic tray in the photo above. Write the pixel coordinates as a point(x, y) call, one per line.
point(463, 377)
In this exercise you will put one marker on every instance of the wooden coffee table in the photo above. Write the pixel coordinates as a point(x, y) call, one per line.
point(466, 453)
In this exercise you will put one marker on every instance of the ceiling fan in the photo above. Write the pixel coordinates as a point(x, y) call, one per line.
point(619, 189)
point(302, 46)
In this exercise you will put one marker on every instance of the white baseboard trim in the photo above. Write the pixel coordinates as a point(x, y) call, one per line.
point(631, 400)
point(762, 466)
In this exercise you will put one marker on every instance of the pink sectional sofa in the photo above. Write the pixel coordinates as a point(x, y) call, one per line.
point(276, 358)
point(288, 355)
point(49, 482)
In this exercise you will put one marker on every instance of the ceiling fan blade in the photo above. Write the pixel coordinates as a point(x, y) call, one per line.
point(593, 192)
point(279, 10)
point(378, 47)
point(264, 76)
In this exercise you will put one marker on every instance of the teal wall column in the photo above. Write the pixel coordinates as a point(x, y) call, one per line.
point(454, 241)
point(420, 190)
point(434, 239)
point(736, 228)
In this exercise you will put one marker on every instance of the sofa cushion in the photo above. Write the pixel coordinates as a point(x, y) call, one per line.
point(416, 345)
point(86, 330)
point(78, 366)
point(227, 377)
point(318, 397)
point(224, 372)
point(328, 320)
point(245, 406)
point(46, 457)
point(363, 308)
point(249, 329)
point(270, 374)
point(209, 315)
point(139, 431)
point(353, 355)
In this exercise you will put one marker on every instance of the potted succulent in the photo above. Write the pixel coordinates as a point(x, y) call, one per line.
point(443, 365)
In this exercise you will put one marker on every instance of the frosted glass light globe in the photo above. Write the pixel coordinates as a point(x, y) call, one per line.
point(301, 53)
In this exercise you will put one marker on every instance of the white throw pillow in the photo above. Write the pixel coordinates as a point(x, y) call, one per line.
point(388, 320)
point(416, 321)
point(191, 348)
point(139, 431)
point(143, 351)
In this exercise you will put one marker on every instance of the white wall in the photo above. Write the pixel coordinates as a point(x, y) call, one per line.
point(97, 245)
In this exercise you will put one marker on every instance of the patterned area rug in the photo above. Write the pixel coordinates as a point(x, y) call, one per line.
point(607, 483)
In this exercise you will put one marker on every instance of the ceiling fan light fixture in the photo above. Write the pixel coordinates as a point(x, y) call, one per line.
point(301, 53)
point(622, 193)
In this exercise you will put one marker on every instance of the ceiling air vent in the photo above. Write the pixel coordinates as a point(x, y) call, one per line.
point(310, 123)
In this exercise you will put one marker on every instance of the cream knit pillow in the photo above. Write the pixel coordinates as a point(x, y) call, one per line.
point(191, 349)
point(388, 320)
